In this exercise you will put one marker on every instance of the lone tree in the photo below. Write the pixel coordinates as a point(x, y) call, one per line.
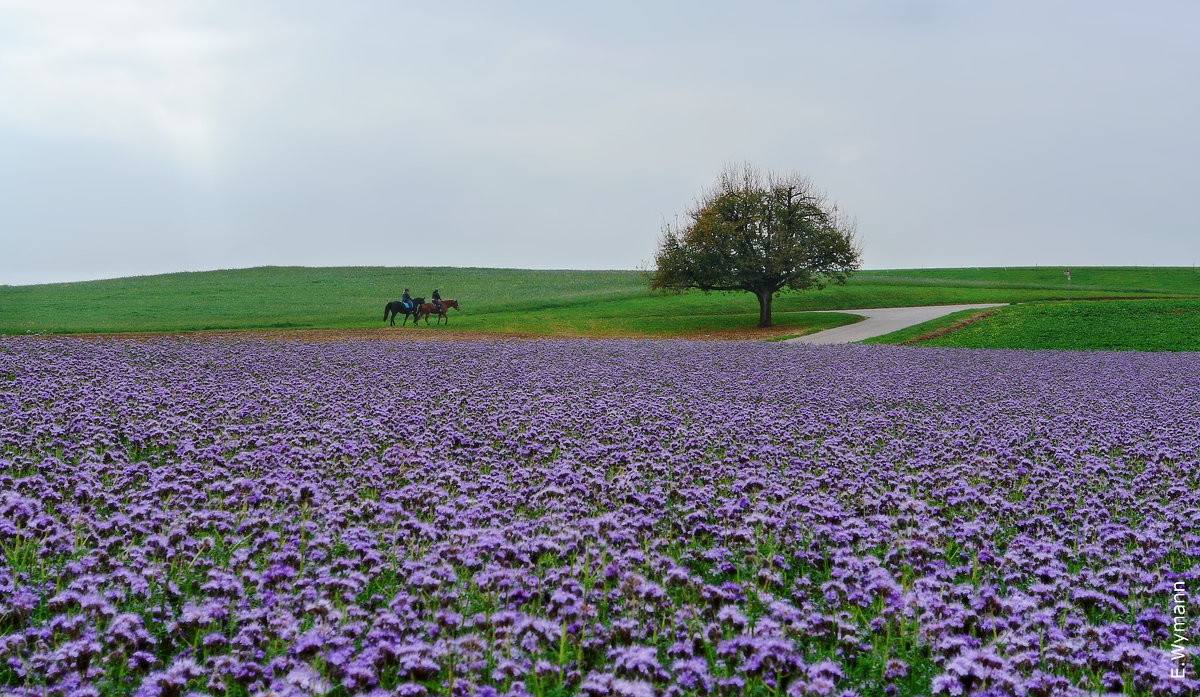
point(760, 233)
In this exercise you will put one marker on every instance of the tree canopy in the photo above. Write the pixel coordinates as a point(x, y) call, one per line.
point(757, 232)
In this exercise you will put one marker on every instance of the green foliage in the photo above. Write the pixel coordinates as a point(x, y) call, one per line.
point(1146, 325)
point(760, 234)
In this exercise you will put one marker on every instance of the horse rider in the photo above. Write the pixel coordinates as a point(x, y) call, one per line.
point(437, 300)
point(407, 299)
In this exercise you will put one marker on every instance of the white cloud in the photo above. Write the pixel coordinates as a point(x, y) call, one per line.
point(140, 74)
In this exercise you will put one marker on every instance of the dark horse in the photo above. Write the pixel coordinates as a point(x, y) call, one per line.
point(427, 308)
point(397, 308)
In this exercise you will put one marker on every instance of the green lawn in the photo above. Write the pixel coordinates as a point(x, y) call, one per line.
point(1146, 325)
point(517, 300)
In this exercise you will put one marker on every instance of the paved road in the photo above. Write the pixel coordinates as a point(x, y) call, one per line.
point(880, 321)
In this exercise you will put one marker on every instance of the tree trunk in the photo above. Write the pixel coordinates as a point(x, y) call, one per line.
point(764, 307)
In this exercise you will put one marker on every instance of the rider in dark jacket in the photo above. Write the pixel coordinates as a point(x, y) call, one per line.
point(407, 299)
point(437, 300)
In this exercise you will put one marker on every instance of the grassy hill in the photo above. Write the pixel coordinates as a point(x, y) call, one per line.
point(516, 300)
point(1150, 279)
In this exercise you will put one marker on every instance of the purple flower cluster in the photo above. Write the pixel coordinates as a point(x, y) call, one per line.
point(629, 518)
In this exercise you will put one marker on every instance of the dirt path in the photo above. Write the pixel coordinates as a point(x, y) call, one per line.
point(423, 335)
point(882, 320)
point(380, 334)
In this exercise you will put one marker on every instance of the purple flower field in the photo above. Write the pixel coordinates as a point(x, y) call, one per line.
point(626, 518)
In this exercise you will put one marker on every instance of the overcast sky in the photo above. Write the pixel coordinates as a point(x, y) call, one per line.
point(151, 135)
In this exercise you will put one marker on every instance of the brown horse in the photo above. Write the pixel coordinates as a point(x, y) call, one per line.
point(429, 308)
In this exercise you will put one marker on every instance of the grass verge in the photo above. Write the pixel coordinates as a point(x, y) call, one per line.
point(939, 326)
point(1146, 325)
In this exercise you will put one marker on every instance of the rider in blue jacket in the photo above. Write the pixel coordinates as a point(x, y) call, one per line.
point(407, 299)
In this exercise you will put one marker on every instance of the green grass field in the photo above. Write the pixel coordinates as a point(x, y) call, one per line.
point(1145, 325)
point(1151, 279)
point(599, 303)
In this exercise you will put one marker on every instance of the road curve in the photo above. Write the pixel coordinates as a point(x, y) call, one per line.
point(882, 320)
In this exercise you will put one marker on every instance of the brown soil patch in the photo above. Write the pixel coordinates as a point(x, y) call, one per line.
point(382, 334)
point(420, 335)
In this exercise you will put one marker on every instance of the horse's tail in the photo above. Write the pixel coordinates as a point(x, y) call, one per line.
point(385, 311)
